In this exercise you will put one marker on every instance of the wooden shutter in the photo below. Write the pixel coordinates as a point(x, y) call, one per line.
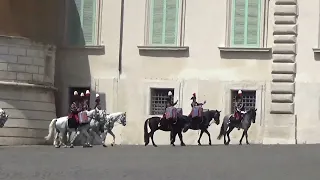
point(238, 24)
point(89, 21)
point(253, 23)
point(246, 17)
point(171, 22)
point(157, 19)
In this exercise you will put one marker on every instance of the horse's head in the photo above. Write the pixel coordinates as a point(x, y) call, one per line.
point(3, 117)
point(252, 112)
point(215, 114)
point(121, 117)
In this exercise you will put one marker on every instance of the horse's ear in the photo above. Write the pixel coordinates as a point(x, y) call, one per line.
point(219, 111)
point(255, 109)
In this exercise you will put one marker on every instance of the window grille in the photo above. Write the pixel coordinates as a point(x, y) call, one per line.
point(158, 100)
point(249, 99)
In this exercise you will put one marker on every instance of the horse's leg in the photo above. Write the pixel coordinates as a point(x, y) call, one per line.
point(84, 131)
point(173, 135)
point(201, 133)
point(151, 136)
point(56, 141)
point(73, 135)
point(207, 132)
point(113, 136)
point(247, 137)
point(243, 133)
point(181, 138)
point(228, 134)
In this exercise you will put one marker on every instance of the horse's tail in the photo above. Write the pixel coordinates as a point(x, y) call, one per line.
point(146, 134)
point(221, 131)
point(52, 126)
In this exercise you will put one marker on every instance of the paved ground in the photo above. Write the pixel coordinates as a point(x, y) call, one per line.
point(255, 162)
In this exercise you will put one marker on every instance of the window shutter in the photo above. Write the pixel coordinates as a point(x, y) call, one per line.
point(171, 22)
point(238, 24)
point(89, 21)
point(253, 23)
point(157, 17)
point(74, 22)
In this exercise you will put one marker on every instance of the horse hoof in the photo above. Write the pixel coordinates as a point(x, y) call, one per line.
point(248, 143)
point(226, 143)
point(104, 145)
point(210, 144)
point(240, 144)
point(183, 144)
point(199, 144)
point(155, 145)
point(173, 145)
point(57, 146)
point(71, 146)
point(112, 144)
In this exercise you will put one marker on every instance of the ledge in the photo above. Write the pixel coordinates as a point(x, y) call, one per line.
point(316, 50)
point(98, 47)
point(163, 48)
point(20, 84)
point(240, 49)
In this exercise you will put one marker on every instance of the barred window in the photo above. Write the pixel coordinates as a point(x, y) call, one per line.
point(249, 99)
point(158, 100)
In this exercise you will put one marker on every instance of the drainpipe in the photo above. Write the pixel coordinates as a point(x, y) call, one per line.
point(120, 51)
point(121, 38)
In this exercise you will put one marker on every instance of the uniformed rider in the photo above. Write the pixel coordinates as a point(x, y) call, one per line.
point(97, 101)
point(86, 101)
point(74, 109)
point(82, 101)
point(194, 101)
point(169, 103)
point(239, 107)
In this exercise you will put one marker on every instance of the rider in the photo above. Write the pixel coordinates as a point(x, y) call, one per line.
point(169, 103)
point(86, 101)
point(74, 108)
point(194, 101)
point(97, 102)
point(239, 107)
point(82, 102)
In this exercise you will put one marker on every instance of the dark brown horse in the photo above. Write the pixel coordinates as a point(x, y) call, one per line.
point(174, 126)
point(203, 123)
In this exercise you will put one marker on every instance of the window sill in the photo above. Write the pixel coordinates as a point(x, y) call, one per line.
point(239, 49)
point(163, 48)
point(316, 50)
point(98, 47)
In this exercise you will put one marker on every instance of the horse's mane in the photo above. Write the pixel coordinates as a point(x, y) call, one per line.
point(116, 114)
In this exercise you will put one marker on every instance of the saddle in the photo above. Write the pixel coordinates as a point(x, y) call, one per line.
point(72, 123)
point(197, 111)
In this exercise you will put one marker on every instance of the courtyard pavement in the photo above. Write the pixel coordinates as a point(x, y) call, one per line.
point(219, 162)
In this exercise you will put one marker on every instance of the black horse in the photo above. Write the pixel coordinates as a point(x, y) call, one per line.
point(227, 125)
point(203, 123)
point(175, 127)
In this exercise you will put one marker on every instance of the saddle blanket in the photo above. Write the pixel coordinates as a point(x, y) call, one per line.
point(83, 117)
point(196, 111)
point(171, 112)
point(179, 112)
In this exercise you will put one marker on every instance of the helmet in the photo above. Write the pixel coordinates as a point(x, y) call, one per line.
point(169, 93)
point(239, 92)
point(87, 92)
point(82, 94)
point(97, 95)
point(75, 93)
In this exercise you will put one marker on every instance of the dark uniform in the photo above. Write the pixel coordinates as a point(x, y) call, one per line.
point(169, 103)
point(238, 108)
point(194, 102)
point(97, 101)
point(74, 110)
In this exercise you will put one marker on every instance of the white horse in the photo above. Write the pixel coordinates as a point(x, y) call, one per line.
point(3, 117)
point(59, 127)
point(108, 121)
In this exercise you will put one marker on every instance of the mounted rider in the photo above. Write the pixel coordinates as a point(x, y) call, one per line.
point(239, 108)
point(169, 103)
point(86, 102)
point(196, 106)
point(97, 101)
point(74, 110)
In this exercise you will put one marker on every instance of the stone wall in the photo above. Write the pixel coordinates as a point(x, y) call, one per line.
point(27, 92)
point(281, 125)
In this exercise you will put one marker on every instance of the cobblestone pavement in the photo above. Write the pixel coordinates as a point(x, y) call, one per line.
point(254, 162)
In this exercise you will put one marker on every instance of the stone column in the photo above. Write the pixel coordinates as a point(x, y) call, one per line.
point(281, 125)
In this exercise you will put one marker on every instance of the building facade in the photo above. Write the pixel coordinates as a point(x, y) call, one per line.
point(133, 52)
point(27, 67)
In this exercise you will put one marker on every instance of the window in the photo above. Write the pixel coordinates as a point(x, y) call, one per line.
point(246, 26)
point(249, 99)
point(82, 22)
point(158, 100)
point(164, 22)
